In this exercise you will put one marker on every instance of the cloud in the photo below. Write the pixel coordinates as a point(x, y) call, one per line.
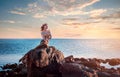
point(33, 7)
point(67, 13)
point(63, 5)
point(72, 7)
point(92, 13)
point(70, 19)
point(116, 28)
point(115, 15)
point(85, 21)
point(38, 15)
point(8, 21)
point(112, 18)
point(96, 13)
point(17, 12)
point(76, 22)
point(58, 7)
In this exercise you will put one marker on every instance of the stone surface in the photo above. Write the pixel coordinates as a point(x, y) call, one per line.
point(114, 62)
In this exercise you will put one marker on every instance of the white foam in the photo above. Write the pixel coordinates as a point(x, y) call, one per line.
point(109, 66)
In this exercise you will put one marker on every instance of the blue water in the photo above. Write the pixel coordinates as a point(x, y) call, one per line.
point(11, 50)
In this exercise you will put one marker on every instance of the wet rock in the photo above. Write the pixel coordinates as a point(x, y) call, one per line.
point(114, 62)
point(9, 66)
point(103, 74)
point(92, 64)
point(102, 68)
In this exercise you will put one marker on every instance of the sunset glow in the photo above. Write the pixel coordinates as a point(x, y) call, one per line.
point(81, 19)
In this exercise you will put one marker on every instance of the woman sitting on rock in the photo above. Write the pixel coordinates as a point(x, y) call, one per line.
point(45, 33)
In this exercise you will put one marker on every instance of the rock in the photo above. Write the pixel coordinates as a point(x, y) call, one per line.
point(55, 55)
point(103, 74)
point(71, 70)
point(114, 62)
point(92, 64)
point(69, 59)
point(2, 73)
point(118, 69)
point(76, 59)
point(83, 60)
point(115, 75)
point(102, 68)
point(90, 72)
point(103, 61)
point(76, 70)
point(42, 60)
point(9, 66)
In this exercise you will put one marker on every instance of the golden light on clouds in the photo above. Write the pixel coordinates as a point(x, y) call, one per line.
point(66, 19)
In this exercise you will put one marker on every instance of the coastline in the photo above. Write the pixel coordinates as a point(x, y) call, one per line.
point(52, 63)
point(55, 64)
point(87, 65)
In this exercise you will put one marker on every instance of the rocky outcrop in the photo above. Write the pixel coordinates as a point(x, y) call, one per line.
point(114, 61)
point(69, 67)
point(42, 60)
point(81, 67)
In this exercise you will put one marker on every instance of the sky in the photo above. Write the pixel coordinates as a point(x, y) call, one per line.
point(79, 19)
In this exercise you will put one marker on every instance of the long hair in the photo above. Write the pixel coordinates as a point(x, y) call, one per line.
point(42, 27)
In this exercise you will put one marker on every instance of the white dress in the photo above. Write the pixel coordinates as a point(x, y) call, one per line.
point(46, 35)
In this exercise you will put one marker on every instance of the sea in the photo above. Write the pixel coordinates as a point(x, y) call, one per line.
point(11, 50)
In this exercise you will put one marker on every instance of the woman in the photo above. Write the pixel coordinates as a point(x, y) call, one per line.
point(45, 33)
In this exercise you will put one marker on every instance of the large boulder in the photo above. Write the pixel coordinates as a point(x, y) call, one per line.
point(42, 60)
point(71, 70)
point(76, 70)
point(103, 74)
point(91, 64)
point(113, 61)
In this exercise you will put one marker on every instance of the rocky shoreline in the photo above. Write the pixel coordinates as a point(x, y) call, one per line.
point(47, 61)
point(72, 67)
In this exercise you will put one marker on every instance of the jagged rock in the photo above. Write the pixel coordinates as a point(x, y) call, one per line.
point(69, 59)
point(9, 66)
point(76, 70)
point(91, 64)
point(42, 60)
point(83, 60)
point(103, 74)
point(71, 70)
point(114, 62)
point(115, 75)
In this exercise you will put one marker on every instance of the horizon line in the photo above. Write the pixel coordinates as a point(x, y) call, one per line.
point(60, 38)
